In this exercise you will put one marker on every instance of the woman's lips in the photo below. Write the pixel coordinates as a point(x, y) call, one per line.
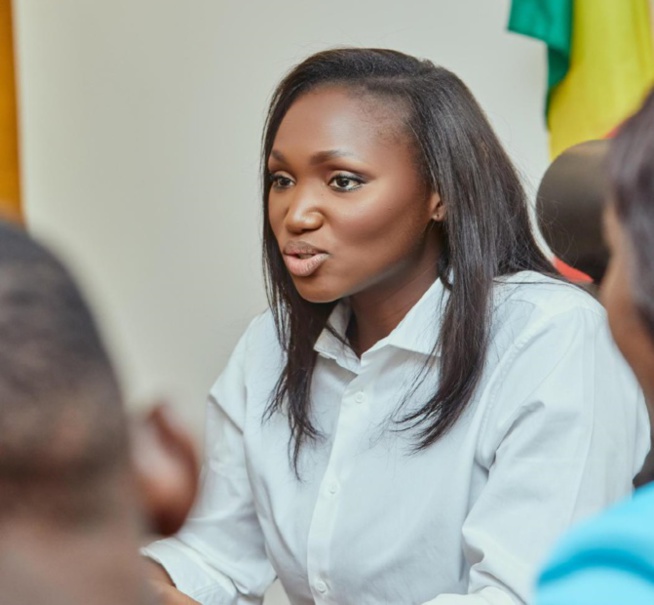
point(303, 259)
point(303, 265)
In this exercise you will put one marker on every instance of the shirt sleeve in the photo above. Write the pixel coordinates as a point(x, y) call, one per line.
point(218, 557)
point(565, 431)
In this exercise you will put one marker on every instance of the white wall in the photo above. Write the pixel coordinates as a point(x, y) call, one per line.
point(141, 122)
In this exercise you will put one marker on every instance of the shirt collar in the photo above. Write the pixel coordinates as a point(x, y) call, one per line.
point(417, 332)
point(332, 342)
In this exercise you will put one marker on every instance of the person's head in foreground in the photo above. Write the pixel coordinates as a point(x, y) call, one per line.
point(75, 500)
point(628, 286)
point(611, 559)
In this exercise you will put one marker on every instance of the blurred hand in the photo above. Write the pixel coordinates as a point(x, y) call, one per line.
point(162, 586)
point(169, 595)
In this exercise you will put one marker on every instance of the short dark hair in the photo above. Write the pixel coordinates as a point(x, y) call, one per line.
point(631, 174)
point(62, 422)
point(487, 231)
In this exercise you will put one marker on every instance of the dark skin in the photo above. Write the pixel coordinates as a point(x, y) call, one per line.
point(45, 561)
point(346, 184)
point(627, 327)
point(41, 563)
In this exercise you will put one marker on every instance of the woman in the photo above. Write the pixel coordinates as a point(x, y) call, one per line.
point(424, 407)
point(611, 559)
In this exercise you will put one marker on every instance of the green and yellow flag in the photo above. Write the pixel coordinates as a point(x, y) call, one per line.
point(600, 62)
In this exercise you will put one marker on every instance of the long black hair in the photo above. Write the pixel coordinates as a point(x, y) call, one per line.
point(487, 231)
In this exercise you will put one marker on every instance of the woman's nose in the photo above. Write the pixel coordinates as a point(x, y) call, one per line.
point(303, 214)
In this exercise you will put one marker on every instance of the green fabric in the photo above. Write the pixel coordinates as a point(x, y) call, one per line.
point(551, 22)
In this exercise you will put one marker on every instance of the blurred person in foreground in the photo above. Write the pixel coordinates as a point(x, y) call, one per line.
point(75, 500)
point(611, 558)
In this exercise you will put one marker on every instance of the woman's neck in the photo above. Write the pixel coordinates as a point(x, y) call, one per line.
point(375, 314)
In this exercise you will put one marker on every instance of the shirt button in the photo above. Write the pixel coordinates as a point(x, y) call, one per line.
point(321, 586)
point(333, 488)
point(360, 397)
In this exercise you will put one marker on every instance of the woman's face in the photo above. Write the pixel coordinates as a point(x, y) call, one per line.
point(348, 206)
point(627, 327)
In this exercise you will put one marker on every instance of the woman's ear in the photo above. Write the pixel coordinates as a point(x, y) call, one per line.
point(437, 208)
point(166, 466)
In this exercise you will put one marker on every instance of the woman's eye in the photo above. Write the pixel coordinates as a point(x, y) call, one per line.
point(343, 182)
point(279, 181)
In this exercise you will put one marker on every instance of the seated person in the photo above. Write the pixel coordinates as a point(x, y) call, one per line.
point(611, 559)
point(425, 406)
point(74, 503)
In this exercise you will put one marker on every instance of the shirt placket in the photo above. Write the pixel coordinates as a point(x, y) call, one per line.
point(353, 414)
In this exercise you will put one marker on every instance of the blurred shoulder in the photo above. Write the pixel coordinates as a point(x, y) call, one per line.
point(627, 527)
point(612, 554)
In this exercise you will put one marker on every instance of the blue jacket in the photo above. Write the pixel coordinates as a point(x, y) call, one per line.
point(606, 561)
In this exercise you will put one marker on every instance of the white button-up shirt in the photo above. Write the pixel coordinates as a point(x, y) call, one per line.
point(556, 430)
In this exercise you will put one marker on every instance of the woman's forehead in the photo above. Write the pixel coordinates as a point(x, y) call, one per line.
point(342, 113)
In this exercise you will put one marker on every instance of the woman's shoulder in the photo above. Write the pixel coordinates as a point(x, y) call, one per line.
point(530, 307)
point(617, 546)
point(261, 334)
point(261, 325)
point(256, 358)
point(544, 296)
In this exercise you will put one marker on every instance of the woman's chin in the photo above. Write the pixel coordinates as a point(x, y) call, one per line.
point(317, 295)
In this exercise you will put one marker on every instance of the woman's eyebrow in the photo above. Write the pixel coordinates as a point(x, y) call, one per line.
point(331, 154)
point(319, 157)
point(278, 155)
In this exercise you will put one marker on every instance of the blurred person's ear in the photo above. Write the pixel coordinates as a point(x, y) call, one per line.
point(166, 466)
